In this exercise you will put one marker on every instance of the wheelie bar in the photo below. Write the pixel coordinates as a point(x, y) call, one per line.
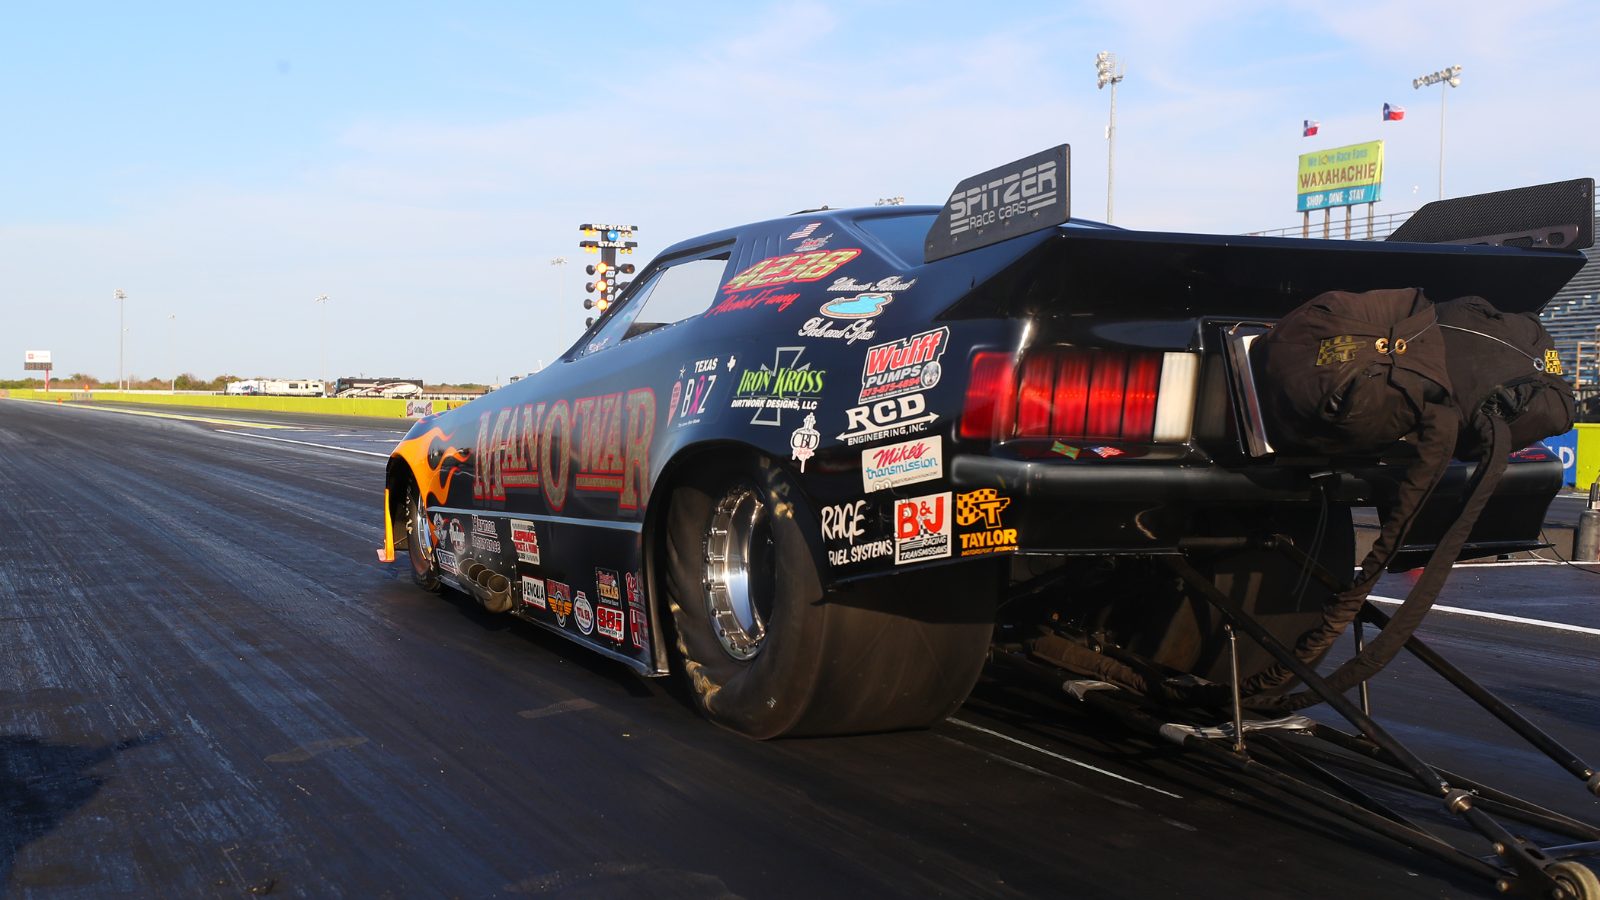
point(1496, 707)
point(1526, 861)
point(1480, 695)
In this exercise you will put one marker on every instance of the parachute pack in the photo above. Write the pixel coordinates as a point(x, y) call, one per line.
point(1350, 376)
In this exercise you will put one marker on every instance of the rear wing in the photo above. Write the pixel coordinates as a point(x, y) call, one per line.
point(1028, 195)
point(1555, 216)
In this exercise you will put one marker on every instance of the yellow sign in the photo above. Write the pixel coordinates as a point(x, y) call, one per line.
point(1341, 176)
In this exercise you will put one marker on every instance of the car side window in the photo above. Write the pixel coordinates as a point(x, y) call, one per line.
point(672, 294)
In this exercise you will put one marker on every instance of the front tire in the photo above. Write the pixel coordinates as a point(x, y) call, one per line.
point(768, 653)
point(419, 545)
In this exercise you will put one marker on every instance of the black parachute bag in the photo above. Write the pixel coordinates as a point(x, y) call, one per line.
point(1350, 375)
point(1505, 379)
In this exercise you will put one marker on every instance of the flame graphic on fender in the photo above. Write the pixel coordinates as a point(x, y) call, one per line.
point(433, 480)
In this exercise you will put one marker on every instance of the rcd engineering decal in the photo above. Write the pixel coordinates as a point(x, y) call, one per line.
point(907, 462)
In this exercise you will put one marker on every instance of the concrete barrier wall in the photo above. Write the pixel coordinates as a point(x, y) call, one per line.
point(328, 406)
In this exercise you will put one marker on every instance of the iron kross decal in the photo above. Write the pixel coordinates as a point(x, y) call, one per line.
point(784, 384)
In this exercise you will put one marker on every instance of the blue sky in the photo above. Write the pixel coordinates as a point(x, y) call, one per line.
point(421, 164)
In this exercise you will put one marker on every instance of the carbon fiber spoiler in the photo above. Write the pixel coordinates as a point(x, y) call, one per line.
point(1554, 216)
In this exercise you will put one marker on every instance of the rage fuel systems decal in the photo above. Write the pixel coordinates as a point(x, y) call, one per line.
point(922, 528)
point(846, 524)
point(983, 508)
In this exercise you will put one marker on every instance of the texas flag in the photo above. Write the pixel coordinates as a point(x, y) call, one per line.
point(1393, 113)
point(1309, 129)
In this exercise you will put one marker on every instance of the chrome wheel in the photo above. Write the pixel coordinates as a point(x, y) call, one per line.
point(738, 582)
point(421, 533)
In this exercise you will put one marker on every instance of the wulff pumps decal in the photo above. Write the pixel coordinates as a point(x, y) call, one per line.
point(904, 366)
point(535, 445)
point(435, 466)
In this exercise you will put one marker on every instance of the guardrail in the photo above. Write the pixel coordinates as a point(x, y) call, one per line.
point(328, 406)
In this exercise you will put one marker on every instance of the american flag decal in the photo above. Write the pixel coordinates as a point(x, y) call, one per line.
point(804, 232)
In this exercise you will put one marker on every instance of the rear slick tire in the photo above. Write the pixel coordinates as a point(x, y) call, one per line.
point(419, 547)
point(767, 653)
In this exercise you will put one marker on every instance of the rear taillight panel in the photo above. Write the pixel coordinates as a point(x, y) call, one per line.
point(1130, 396)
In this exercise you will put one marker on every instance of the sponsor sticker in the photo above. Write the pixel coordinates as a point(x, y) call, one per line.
point(803, 441)
point(861, 306)
point(610, 622)
point(903, 366)
point(638, 616)
point(691, 393)
point(458, 536)
point(922, 528)
point(583, 612)
point(559, 595)
point(785, 384)
point(607, 585)
point(789, 268)
point(815, 243)
point(1067, 450)
point(436, 532)
point(447, 561)
point(892, 418)
point(983, 508)
point(533, 592)
point(526, 539)
point(907, 462)
point(847, 522)
point(856, 330)
point(882, 286)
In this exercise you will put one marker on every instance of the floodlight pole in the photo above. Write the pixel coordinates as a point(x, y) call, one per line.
point(1109, 71)
point(322, 301)
point(1451, 78)
point(122, 332)
point(561, 276)
point(172, 358)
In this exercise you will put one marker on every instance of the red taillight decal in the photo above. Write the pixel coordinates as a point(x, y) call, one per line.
point(1107, 380)
point(987, 413)
point(1139, 402)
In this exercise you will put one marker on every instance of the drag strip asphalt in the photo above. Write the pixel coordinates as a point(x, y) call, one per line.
point(209, 688)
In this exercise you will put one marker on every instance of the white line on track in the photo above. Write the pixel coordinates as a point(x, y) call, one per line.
point(1498, 617)
point(1522, 562)
point(1066, 759)
point(262, 437)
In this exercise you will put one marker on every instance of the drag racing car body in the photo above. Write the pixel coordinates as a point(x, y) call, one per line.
point(816, 462)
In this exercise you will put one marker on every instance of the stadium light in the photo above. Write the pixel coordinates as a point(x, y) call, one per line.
point(122, 332)
point(1449, 77)
point(172, 358)
point(1109, 71)
point(322, 301)
point(561, 274)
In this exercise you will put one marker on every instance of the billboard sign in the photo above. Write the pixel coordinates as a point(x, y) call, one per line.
point(1341, 176)
point(36, 360)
